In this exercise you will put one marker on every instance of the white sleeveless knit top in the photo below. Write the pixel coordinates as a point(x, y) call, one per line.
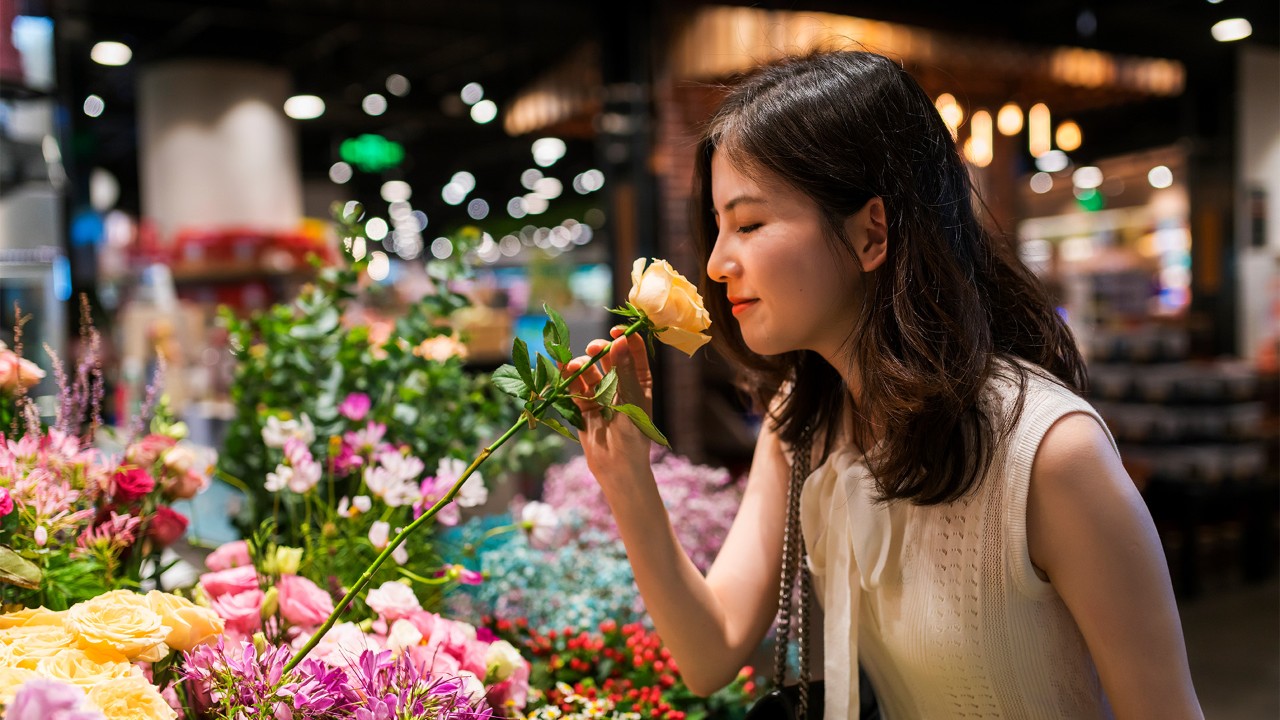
point(942, 604)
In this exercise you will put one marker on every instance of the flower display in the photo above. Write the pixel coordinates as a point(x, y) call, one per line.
point(94, 651)
point(79, 519)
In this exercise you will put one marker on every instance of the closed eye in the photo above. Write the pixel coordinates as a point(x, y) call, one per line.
point(748, 229)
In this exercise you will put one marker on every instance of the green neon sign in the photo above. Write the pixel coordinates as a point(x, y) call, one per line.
point(372, 153)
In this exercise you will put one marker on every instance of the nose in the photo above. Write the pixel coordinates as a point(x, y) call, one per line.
point(723, 264)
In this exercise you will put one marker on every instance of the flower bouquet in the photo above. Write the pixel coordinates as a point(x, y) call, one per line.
point(76, 520)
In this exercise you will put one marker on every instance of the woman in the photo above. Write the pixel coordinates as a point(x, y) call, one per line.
point(974, 540)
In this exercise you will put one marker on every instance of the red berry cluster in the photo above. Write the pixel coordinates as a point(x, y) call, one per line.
point(627, 665)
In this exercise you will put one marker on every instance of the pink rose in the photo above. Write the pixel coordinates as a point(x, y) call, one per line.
point(302, 603)
point(166, 526)
point(230, 582)
point(6, 502)
point(355, 407)
point(394, 600)
point(184, 486)
point(131, 483)
point(229, 555)
point(16, 372)
point(148, 450)
point(242, 611)
point(514, 689)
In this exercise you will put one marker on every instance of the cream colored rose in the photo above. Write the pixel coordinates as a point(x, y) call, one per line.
point(119, 621)
point(12, 678)
point(500, 661)
point(27, 646)
point(190, 625)
point(31, 616)
point(133, 698)
point(86, 668)
point(671, 303)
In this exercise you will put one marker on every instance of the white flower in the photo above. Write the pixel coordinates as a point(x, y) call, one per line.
point(501, 660)
point(393, 600)
point(401, 553)
point(355, 506)
point(394, 478)
point(471, 685)
point(278, 480)
point(362, 503)
point(403, 635)
point(277, 431)
point(380, 534)
point(180, 458)
point(472, 493)
point(541, 521)
point(305, 476)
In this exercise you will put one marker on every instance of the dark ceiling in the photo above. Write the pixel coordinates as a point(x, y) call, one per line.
point(344, 49)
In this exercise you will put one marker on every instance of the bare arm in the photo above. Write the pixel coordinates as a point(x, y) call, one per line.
point(1089, 530)
point(712, 624)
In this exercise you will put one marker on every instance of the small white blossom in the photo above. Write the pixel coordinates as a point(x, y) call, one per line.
point(541, 521)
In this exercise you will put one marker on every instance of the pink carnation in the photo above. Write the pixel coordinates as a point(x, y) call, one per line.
point(131, 483)
point(228, 555)
point(355, 407)
point(242, 611)
point(6, 502)
point(230, 582)
point(302, 603)
point(392, 601)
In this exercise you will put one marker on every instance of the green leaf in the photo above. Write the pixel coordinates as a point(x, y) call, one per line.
point(509, 380)
point(547, 367)
point(569, 411)
point(643, 422)
point(555, 425)
point(540, 377)
point(607, 389)
point(520, 357)
point(17, 570)
point(559, 328)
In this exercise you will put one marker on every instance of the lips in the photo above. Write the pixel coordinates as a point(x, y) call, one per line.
point(742, 304)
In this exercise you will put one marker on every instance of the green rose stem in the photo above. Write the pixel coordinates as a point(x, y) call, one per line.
point(369, 572)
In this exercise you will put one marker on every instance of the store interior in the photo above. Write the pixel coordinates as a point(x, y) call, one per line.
point(167, 158)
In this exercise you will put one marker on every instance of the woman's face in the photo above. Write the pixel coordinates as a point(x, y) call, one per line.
point(789, 289)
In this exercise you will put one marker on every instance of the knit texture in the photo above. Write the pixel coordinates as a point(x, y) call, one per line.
point(941, 604)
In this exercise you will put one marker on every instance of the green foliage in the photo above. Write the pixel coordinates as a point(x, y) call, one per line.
point(301, 357)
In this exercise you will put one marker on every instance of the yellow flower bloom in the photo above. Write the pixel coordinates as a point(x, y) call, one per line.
point(120, 621)
point(190, 625)
point(671, 303)
point(31, 616)
point(27, 646)
point(86, 668)
point(132, 698)
point(12, 678)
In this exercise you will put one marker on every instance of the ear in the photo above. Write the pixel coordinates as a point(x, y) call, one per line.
point(868, 230)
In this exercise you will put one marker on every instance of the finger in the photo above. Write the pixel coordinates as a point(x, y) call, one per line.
point(585, 384)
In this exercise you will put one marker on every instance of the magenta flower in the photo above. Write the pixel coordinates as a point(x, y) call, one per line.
point(461, 574)
point(6, 502)
point(355, 407)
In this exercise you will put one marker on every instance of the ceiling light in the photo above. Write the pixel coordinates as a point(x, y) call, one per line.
point(304, 107)
point(112, 53)
point(374, 104)
point(1052, 161)
point(1160, 177)
point(1231, 30)
point(1087, 177)
point(1068, 136)
point(398, 85)
point(1009, 119)
point(472, 93)
point(1041, 183)
point(484, 111)
point(94, 105)
point(340, 172)
point(1038, 130)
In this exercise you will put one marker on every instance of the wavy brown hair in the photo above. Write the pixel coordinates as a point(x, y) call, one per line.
point(951, 299)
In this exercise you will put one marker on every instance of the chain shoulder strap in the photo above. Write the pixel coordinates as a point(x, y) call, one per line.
point(793, 567)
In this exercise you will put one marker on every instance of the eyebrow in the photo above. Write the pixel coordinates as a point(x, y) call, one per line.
point(741, 199)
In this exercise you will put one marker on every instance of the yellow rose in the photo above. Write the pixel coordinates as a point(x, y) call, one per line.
point(30, 616)
point(132, 698)
point(11, 678)
point(86, 668)
point(119, 621)
point(671, 302)
point(190, 625)
point(27, 646)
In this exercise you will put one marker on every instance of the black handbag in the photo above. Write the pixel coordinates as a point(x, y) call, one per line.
point(802, 700)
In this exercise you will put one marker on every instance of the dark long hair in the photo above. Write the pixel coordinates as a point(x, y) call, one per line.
point(950, 300)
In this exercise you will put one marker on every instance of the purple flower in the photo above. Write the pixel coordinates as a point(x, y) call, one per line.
point(42, 699)
point(249, 679)
point(355, 407)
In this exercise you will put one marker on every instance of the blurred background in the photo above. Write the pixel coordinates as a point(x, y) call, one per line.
point(165, 157)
